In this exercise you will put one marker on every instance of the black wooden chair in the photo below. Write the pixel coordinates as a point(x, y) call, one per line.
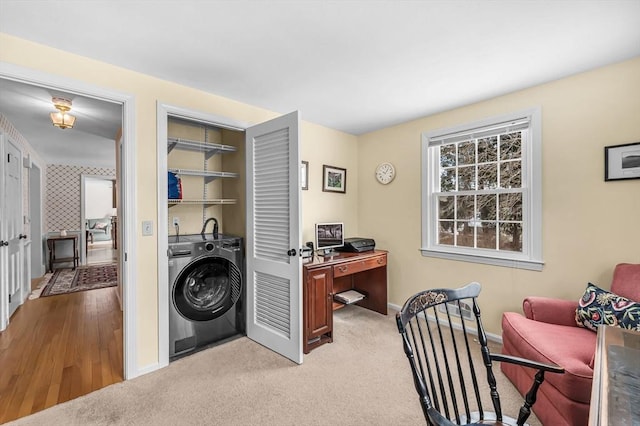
point(441, 352)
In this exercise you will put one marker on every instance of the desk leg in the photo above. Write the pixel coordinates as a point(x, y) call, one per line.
point(51, 246)
point(75, 254)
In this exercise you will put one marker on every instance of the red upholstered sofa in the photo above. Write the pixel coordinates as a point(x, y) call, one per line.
point(548, 333)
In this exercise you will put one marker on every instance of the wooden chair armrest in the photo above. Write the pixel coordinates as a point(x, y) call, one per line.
point(527, 363)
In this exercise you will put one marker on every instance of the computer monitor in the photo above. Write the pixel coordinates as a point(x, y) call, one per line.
point(328, 237)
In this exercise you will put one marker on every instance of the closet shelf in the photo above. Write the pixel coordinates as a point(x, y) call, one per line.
point(209, 149)
point(208, 175)
point(208, 202)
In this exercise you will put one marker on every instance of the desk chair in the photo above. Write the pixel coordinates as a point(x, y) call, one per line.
point(440, 353)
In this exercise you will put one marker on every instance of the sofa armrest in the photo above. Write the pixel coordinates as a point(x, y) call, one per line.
point(549, 310)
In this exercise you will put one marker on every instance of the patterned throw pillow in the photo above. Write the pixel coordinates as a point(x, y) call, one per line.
point(100, 225)
point(599, 307)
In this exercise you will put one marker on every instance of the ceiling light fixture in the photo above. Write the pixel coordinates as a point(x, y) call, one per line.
point(61, 118)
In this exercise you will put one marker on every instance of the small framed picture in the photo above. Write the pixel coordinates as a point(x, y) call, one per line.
point(622, 161)
point(304, 175)
point(334, 179)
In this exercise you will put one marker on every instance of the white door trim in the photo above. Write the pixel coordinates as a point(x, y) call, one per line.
point(128, 184)
point(4, 275)
point(35, 219)
point(163, 112)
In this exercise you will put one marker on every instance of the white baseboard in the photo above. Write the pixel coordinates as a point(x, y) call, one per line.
point(490, 336)
point(148, 369)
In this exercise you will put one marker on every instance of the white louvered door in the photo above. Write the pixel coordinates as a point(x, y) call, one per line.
point(274, 292)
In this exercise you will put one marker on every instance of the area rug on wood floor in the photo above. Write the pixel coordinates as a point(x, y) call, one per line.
point(83, 278)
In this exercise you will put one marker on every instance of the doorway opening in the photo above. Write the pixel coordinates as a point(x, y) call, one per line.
point(189, 214)
point(99, 218)
point(278, 139)
point(125, 158)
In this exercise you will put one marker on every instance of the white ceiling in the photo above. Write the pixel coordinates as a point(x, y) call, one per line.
point(355, 66)
point(90, 143)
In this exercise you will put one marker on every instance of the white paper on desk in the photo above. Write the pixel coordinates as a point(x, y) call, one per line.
point(348, 297)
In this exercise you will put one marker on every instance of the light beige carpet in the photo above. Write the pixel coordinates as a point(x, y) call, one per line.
point(362, 378)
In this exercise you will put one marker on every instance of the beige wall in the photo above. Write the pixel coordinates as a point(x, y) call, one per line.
point(588, 225)
point(336, 149)
point(325, 145)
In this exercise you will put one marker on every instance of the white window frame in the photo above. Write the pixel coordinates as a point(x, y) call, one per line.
point(531, 256)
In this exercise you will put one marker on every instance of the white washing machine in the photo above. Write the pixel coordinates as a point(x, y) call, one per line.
point(206, 279)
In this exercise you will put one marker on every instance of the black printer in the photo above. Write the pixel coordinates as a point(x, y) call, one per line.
point(357, 245)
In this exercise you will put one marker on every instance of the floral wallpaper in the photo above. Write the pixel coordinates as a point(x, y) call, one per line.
point(63, 195)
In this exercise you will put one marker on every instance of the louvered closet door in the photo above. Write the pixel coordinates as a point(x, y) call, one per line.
point(274, 296)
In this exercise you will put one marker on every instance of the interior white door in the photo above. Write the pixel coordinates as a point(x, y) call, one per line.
point(13, 223)
point(274, 294)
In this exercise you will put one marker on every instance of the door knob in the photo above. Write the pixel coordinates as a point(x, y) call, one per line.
point(21, 236)
point(292, 252)
point(4, 243)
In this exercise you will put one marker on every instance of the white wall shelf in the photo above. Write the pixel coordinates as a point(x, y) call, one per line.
point(208, 175)
point(209, 149)
point(208, 202)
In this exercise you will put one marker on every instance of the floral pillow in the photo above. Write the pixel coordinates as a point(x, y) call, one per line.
point(100, 225)
point(599, 307)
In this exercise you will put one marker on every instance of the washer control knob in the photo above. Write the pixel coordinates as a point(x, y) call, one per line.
point(208, 246)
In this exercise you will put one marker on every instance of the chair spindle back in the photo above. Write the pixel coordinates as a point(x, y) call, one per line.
point(443, 353)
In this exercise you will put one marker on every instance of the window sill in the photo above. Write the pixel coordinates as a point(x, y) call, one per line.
point(531, 265)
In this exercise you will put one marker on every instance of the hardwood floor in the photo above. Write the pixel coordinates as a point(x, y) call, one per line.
point(101, 252)
point(58, 348)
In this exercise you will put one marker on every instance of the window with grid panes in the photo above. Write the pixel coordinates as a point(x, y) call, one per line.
point(481, 196)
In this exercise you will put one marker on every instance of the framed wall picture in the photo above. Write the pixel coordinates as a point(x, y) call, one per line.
point(304, 175)
point(622, 161)
point(334, 179)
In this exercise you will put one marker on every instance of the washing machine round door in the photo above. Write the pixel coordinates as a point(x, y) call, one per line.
point(207, 288)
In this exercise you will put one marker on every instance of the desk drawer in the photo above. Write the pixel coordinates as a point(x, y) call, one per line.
point(356, 266)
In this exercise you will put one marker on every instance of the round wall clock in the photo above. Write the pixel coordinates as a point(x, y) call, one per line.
point(385, 173)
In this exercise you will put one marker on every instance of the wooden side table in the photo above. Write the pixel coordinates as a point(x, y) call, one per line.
point(51, 244)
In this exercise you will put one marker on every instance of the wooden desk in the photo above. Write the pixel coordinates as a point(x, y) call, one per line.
point(51, 244)
point(323, 277)
point(616, 378)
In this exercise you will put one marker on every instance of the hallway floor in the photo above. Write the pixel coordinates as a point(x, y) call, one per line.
point(101, 252)
point(58, 348)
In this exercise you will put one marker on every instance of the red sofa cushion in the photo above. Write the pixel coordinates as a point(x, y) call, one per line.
point(570, 347)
